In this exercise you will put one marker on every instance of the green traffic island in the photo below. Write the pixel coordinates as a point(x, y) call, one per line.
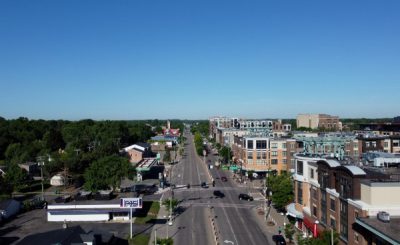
point(148, 213)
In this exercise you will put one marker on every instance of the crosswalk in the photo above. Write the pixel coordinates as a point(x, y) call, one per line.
point(217, 205)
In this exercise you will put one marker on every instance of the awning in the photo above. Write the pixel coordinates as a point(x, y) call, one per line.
point(291, 210)
point(311, 225)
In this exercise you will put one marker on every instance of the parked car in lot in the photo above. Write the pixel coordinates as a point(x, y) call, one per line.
point(219, 194)
point(204, 185)
point(279, 240)
point(224, 179)
point(246, 197)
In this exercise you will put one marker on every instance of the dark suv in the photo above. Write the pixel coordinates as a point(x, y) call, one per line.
point(219, 194)
point(245, 197)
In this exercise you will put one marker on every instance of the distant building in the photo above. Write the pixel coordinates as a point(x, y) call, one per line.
point(319, 121)
point(264, 154)
point(30, 167)
point(138, 152)
point(380, 128)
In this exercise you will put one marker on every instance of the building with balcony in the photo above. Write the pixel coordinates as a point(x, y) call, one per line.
point(332, 194)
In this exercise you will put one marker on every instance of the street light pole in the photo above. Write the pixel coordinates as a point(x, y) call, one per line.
point(41, 176)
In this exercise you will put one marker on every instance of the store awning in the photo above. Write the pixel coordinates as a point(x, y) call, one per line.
point(291, 210)
point(311, 225)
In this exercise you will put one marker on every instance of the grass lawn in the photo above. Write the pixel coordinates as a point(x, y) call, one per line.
point(141, 239)
point(148, 213)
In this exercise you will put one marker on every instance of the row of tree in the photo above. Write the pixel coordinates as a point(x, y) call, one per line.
point(81, 148)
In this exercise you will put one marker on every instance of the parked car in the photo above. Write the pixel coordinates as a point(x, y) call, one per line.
point(219, 194)
point(204, 185)
point(279, 240)
point(224, 179)
point(246, 197)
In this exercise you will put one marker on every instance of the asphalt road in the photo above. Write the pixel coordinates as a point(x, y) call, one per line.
point(236, 220)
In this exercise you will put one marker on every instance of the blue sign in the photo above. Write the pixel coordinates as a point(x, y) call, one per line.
point(131, 203)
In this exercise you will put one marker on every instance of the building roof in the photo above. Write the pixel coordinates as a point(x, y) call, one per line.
point(389, 232)
point(332, 163)
point(355, 170)
point(69, 235)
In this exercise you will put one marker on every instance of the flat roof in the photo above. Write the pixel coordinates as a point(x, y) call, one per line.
point(389, 232)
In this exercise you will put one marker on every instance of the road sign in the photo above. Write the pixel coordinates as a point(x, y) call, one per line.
point(233, 167)
point(224, 167)
point(131, 203)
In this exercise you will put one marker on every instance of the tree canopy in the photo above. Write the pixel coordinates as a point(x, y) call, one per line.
point(282, 189)
point(106, 172)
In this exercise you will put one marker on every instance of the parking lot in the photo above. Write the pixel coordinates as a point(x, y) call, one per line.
point(34, 222)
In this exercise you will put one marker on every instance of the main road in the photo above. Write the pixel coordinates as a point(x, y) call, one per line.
point(235, 221)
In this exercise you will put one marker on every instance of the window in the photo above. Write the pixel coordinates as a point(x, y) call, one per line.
point(249, 144)
point(274, 153)
point(367, 144)
point(284, 161)
point(261, 144)
point(356, 214)
point(284, 145)
point(258, 155)
point(274, 161)
point(250, 155)
point(314, 211)
point(300, 167)
point(299, 193)
point(284, 153)
point(333, 223)
point(312, 173)
point(264, 155)
point(333, 205)
point(386, 144)
point(314, 193)
point(373, 143)
point(274, 145)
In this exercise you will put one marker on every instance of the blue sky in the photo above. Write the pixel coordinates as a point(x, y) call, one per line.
point(195, 59)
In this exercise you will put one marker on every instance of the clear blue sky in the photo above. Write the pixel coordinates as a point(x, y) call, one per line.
point(142, 59)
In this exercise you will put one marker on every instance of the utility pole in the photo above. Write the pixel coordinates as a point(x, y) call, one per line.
point(41, 164)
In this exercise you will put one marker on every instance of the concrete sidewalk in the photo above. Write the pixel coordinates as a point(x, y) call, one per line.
point(162, 229)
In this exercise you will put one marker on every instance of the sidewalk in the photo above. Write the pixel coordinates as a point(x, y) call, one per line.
point(161, 229)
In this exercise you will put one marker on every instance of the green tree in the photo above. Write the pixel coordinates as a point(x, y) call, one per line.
point(167, 156)
point(168, 202)
point(15, 176)
point(106, 172)
point(165, 241)
point(282, 189)
point(226, 153)
point(289, 231)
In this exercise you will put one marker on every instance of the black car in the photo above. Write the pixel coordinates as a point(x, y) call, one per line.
point(279, 240)
point(204, 185)
point(219, 194)
point(245, 197)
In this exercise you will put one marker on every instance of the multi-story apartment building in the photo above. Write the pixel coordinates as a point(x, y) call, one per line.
point(320, 121)
point(333, 195)
point(264, 154)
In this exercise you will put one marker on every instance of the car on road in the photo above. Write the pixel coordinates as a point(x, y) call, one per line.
point(204, 185)
point(224, 179)
point(246, 197)
point(219, 194)
point(279, 240)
